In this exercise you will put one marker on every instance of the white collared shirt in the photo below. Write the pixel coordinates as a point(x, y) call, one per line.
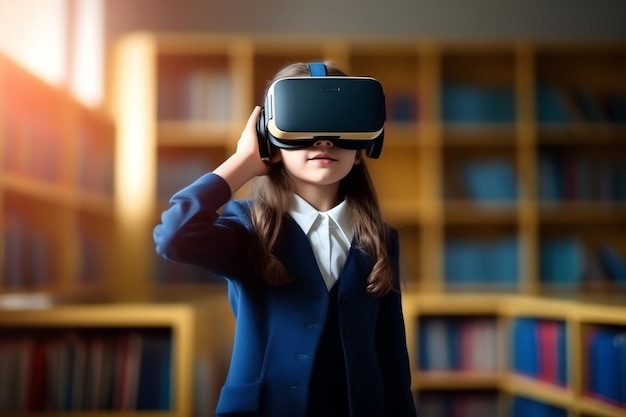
point(330, 233)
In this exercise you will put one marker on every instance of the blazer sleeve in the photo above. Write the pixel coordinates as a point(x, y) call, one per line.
point(391, 345)
point(191, 230)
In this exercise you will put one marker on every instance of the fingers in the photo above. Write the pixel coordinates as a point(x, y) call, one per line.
point(251, 124)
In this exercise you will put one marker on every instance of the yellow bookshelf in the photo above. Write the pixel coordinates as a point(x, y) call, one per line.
point(496, 167)
point(56, 190)
point(121, 360)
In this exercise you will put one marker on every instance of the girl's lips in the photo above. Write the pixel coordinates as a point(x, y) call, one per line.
point(322, 156)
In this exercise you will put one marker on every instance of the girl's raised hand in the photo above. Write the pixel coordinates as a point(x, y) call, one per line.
point(246, 162)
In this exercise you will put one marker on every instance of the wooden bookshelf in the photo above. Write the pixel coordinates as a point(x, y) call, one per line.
point(580, 317)
point(62, 275)
point(501, 170)
point(113, 360)
point(56, 191)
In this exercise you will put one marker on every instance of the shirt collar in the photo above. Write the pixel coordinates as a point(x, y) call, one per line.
point(305, 215)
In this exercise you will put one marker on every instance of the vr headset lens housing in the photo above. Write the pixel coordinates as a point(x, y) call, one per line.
point(349, 111)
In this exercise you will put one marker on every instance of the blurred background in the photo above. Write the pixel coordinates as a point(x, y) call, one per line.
point(504, 170)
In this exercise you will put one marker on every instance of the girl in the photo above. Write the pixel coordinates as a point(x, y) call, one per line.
point(312, 275)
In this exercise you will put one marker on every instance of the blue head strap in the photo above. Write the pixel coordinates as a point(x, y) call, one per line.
point(317, 69)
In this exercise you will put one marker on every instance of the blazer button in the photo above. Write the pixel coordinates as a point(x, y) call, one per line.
point(345, 299)
point(347, 330)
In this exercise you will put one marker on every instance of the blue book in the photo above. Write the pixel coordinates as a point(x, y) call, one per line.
point(502, 261)
point(165, 379)
point(613, 263)
point(551, 107)
point(463, 104)
point(549, 182)
point(490, 180)
point(502, 105)
point(435, 344)
point(562, 261)
point(454, 342)
point(525, 407)
point(463, 262)
point(620, 344)
point(525, 347)
point(603, 365)
point(152, 351)
point(562, 354)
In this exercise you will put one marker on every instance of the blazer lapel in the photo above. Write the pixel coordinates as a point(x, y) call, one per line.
point(294, 250)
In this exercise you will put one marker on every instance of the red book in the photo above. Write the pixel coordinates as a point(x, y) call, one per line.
point(37, 377)
point(547, 337)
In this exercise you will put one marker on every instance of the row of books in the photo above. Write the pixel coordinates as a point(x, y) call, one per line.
point(458, 404)
point(33, 146)
point(457, 344)
point(478, 261)
point(28, 259)
point(564, 177)
point(36, 148)
point(475, 103)
point(526, 407)
point(199, 94)
point(481, 404)
point(570, 261)
point(491, 180)
point(540, 349)
point(85, 370)
point(558, 104)
point(606, 350)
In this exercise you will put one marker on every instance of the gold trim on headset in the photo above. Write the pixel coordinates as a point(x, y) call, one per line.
point(282, 135)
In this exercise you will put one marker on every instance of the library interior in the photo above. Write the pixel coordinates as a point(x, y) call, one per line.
point(503, 170)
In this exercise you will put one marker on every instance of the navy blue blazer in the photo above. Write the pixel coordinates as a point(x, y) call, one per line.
point(278, 327)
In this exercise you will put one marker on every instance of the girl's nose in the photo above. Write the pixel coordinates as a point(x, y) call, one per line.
point(323, 143)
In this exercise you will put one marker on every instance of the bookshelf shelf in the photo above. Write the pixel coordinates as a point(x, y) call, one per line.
point(462, 380)
point(545, 392)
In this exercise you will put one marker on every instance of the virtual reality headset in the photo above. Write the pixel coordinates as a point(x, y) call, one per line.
point(299, 111)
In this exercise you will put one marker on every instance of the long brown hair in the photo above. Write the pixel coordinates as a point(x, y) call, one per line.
point(272, 198)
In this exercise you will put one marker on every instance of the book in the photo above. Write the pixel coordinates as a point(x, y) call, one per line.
point(613, 263)
point(526, 407)
point(562, 260)
point(154, 381)
point(475, 103)
point(620, 344)
point(471, 262)
point(525, 347)
point(550, 104)
point(490, 180)
point(603, 369)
